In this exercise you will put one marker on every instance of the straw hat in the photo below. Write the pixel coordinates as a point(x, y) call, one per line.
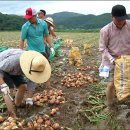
point(50, 20)
point(35, 66)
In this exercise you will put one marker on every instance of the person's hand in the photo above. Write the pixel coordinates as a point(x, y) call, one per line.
point(54, 39)
point(52, 51)
point(112, 60)
point(118, 57)
point(12, 114)
point(29, 101)
point(5, 89)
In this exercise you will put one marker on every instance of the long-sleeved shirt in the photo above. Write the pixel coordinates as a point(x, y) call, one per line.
point(114, 42)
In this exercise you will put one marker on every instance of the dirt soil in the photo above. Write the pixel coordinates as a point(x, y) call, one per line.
point(69, 115)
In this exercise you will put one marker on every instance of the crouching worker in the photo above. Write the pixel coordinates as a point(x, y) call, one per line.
point(14, 64)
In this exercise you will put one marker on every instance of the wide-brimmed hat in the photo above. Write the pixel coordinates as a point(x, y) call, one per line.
point(119, 12)
point(35, 66)
point(30, 13)
point(50, 20)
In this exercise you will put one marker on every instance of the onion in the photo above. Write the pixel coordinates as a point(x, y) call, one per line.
point(46, 117)
point(30, 124)
point(57, 102)
point(47, 122)
point(56, 126)
point(1, 119)
point(40, 120)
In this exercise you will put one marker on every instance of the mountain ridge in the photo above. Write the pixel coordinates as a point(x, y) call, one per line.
point(63, 21)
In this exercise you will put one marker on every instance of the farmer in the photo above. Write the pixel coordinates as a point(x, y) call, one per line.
point(42, 14)
point(114, 42)
point(34, 31)
point(51, 26)
point(14, 64)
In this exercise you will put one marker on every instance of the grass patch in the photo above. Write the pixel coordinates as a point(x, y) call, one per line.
point(79, 31)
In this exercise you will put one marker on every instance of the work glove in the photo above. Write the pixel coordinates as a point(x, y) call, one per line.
point(29, 101)
point(52, 51)
point(5, 89)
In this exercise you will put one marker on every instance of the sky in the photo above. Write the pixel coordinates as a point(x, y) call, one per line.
point(83, 7)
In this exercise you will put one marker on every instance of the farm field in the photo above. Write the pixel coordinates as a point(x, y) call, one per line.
point(80, 107)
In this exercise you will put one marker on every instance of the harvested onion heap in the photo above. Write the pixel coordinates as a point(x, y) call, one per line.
point(77, 80)
point(42, 122)
point(8, 124)
point(51, 97)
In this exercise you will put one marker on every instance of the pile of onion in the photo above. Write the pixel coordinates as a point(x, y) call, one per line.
point(8, 124)
point(42, 122)
point(50, 96)
point(38, 122)
point(77, 80)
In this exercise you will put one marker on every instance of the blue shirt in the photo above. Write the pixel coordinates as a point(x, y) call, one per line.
point(34, 35)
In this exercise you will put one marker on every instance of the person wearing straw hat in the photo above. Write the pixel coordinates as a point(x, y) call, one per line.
point(51, 26)
point(14, 64)
point(114, 41)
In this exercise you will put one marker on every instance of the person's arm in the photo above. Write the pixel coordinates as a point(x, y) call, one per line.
point(103, 45)
point(31, 86)
point(22, 44)
point(52, 32)
point(23, 36)
point(46, 35)
point(50, 44)
point(48, 40)
point(6, 65)
point(7, 98)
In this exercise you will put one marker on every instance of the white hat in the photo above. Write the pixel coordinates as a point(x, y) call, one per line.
point(35, 66)
point(50, 20)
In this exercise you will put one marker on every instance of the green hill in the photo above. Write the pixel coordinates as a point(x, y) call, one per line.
point(83, 21)
point(10, 22)
point(64, 15)
point(62, 20)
